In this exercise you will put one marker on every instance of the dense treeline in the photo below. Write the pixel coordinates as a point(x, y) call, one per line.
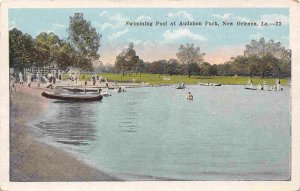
point(48, 50)
point(260, 58)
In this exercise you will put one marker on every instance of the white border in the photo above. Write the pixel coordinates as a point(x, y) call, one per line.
point(294, 184)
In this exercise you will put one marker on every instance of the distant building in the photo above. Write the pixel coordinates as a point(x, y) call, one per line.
point(45, 71)
point(33, 70)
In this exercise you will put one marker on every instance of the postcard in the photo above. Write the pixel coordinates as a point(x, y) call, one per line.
point(160, 95)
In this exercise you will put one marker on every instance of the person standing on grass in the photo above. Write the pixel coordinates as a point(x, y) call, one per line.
point(29, 79)
point(21, 78)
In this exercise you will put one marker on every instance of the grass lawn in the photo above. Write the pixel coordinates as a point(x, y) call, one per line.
point(156, 79)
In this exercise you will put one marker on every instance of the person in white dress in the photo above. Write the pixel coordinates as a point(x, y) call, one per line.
point(38, 78)
point(278, 86)
point(29, 79)
point(12, 82)
point(21, 78)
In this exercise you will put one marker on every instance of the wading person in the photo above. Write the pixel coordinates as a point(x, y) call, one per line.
point(189, 96)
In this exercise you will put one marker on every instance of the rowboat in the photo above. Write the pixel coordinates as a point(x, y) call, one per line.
point(74, 98)
point(181, 86)
point(81, 89)
point(209, 84)
point(105, 93)
point(248, 88)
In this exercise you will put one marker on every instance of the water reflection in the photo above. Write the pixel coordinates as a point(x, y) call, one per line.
point(127, 124)
point(78, 131)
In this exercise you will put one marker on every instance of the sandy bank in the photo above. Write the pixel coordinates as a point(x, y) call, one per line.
point(34, 161)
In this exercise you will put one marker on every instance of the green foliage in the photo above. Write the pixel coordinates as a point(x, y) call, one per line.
point(45, 44)
point(47, 50)
point(21, 49)
point(83, 37)
point(188, 55)
point(128, 61)
point(64, 55)
point(274, 59)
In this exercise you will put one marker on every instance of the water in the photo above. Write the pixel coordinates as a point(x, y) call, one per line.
point(225, 133)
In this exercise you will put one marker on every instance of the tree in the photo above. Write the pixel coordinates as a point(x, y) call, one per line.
point(239, 65)
point(84, 39)
point(44, 45)
point(119, 63)
point(205, 68)
point(194, 68)
point(271, 50)
point(224, 69)
point(189, 54)
point(21, 49)
point(172, 66)
point(140, 66)
point(64, 55)
point(285, 63)
point(213, 71)
point(158, 67)
point(127, 60)
point(253, 65)
point(269, 65)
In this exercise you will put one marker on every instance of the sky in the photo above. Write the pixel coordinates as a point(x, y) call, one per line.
point(219, 43)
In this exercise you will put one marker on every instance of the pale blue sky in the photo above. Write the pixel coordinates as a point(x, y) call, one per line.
point(154, 43)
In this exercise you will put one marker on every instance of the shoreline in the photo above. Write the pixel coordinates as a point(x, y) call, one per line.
point(112, 85)
point(32, 161)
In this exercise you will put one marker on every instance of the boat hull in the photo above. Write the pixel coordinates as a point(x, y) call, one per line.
point(250, 88)
point(81, 90)
point(73, 98)
point(209, 84)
